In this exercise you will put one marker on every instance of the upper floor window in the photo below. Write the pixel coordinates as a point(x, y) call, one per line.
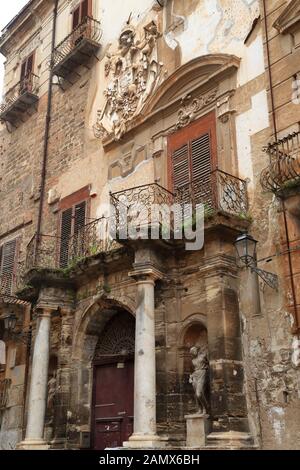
point(8, 259)
point(192, 158)
point(74, 214)
point(83, 10)
point(26, 79)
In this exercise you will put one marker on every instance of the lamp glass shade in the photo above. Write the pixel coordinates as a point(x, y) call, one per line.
point(246, 248)
point(10, 321)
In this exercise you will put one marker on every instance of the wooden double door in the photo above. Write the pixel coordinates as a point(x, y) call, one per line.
point(112, 417)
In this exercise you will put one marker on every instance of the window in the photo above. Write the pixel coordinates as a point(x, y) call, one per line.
point(8, 254)
point(74, 211)
point(192, 158)
point(26, 73)
point(83, 10)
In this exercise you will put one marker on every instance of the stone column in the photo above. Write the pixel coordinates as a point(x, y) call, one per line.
point(144, 435)
point(38, 385)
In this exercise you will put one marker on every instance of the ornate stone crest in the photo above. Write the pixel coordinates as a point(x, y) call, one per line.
point(190, 106)
point(133, 73)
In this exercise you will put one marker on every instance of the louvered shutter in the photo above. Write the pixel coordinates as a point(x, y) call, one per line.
point(23, 70)
point(7, 271)
point(76, 17)
point(201, 170)
point(29, 65)
point(79, 216)
point(84, 9)
point(65, 233)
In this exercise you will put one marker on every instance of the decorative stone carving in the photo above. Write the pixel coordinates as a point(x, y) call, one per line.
point(118, 338)
point(133, 73)
point(190, 107)
point(199, 378)
point(224, 108)
point(51, 391)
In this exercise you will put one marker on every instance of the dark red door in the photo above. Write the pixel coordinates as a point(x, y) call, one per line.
point(113, 404)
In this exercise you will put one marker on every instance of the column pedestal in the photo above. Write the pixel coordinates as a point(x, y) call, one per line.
point(196, 430)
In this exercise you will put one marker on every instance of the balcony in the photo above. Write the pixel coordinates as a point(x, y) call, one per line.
point(63, 254)
point(282, 175)
point(77, 48)
point(283, 171)
point(219, 192)
point(19, 99)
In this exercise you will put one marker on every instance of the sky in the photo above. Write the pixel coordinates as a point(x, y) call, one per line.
point(8, 9)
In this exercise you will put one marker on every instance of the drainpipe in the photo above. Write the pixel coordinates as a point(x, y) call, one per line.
point(47, 130)
point(295, 327)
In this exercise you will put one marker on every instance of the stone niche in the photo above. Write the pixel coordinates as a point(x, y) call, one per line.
point(195, 335)
point(195, 344)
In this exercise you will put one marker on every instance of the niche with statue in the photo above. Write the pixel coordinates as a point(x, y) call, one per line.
point(196, 383)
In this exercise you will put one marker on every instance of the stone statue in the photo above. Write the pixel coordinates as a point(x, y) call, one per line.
point(199, 378)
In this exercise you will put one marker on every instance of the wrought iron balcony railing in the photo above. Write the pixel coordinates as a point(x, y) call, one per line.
point(217, 191)
point(19, 98)
point(283, 171)
point(52, 252)
point(4, 389)
point(79, 45)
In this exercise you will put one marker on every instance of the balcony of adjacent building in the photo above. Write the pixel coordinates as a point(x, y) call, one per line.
point(77, 48)
point(282, 175)
point(20, 99)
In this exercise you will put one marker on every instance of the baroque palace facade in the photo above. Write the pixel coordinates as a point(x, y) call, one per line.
point(104, 341)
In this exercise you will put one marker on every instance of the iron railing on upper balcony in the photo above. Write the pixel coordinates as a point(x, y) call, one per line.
point(218, 191)
point(28, 85)
point(53, 252)
point(283, 171)
point(141, 203)
point(89, 29)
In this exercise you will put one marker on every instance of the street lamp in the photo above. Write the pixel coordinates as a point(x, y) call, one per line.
point(245, 246)
point(10, 321)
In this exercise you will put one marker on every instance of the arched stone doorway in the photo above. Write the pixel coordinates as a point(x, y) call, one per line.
point(113, 383)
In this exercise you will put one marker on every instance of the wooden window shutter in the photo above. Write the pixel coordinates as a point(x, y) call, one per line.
point(192, 156)
point(84, 9)
point(23, 70)
point(65, 234)
point(7, 267)
point(79, 216)
point(76, 17)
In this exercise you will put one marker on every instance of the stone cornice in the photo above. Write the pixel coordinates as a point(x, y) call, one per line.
point(289, 19)
point(26, 14)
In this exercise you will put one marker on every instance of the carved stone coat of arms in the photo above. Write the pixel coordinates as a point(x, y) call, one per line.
point(133, 72)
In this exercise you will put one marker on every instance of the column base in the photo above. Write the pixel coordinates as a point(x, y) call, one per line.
point(230, 439)
point(33, 444)
point(144, 441)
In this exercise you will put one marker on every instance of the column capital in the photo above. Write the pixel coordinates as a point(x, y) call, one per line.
point(145, 272)
point(43, 310)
